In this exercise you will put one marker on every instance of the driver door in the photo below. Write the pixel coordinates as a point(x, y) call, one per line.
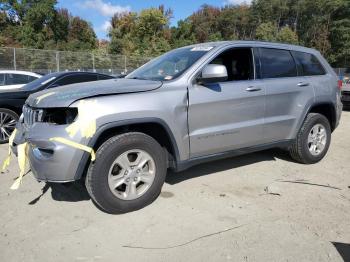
point(227, 115)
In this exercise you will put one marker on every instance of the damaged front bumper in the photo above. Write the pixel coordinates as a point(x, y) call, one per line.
point(49, 161)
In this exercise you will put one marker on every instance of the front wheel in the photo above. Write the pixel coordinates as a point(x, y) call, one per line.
point(128, 173)
point(8, 121)
point(313, 140)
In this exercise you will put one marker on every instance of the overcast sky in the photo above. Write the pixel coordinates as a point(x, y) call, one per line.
point(99, 12)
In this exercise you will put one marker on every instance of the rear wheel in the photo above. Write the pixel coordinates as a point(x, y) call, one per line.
point(313, 140)
point(128, 173)
point(8, 121)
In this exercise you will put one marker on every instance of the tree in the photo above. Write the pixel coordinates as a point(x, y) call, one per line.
point(266, 31)
point(287, 35)
point(145, 33)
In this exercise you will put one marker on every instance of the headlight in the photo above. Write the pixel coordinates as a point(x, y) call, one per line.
point(58, 116)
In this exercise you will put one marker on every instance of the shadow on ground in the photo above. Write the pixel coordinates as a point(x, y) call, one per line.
point(226, 164)
point(69, 192)
point(74, 192)
point(343, 250)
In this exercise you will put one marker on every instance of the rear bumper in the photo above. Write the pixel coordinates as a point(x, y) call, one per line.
point(49, 161)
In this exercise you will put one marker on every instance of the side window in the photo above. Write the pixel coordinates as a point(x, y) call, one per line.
point(238, 62)
point(308, 64)
point(277, 63)
point(2, 79)
point(73, 79)
point(31, 78)
point(16, 79)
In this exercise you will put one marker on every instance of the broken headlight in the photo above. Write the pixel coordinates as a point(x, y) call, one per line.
point(58, 116)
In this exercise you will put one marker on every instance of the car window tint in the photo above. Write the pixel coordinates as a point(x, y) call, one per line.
point(31, 78)
point(73, 79)
point(238, 63)
point(2, 79)
point(16, 79)
point(308, 64)
point(277, 63)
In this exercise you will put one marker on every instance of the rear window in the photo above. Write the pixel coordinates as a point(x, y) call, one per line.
point(104, 77)
point(74, 79)
point(17, 79)
point(308, 64)
point(277, 63)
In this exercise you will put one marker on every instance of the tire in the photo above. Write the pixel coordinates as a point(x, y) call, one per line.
point(300, 150)
point(8, 121)
point(100, 172)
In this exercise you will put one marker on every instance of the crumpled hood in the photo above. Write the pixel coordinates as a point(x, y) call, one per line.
point(66, 95)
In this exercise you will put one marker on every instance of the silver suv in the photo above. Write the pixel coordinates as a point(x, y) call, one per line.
point(191, 105)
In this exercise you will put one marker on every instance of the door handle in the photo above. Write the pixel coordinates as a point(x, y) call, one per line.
point(253, 89)
point(303, 84)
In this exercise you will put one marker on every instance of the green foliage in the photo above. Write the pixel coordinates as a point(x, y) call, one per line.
point(146, 33)
point(38, 24)
point(266, 31)
point(320, 24)
point(287, 35)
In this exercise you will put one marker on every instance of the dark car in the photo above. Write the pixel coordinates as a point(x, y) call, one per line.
point(12, 101)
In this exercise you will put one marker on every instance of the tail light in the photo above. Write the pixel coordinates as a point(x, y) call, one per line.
point(340, 84)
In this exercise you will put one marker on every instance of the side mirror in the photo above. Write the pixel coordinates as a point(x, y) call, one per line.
point(213, 73)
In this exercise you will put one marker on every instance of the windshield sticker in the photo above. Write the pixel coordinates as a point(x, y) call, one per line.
point(48, 80)
point(202, 48)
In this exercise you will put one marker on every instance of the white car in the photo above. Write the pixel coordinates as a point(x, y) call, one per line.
point(13, 79)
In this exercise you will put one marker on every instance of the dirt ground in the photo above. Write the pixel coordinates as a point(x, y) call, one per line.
point(258, 207)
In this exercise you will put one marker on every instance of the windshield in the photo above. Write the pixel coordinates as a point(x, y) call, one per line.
point(170, 65)
point(39, 82)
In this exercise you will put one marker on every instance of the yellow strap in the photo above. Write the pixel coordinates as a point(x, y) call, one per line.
point(22, 162)
point(86, 122)
point(75, 145)
point(7, 161)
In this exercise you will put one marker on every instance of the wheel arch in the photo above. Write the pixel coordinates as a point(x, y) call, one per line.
point(326, 109)
point(163, 135)
point(12, 108)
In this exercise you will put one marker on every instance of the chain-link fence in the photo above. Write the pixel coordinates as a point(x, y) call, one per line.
point(48, 61)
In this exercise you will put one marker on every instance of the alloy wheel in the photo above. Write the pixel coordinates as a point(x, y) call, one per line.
point(317, 139)
point(131, 174)
point(7, 126)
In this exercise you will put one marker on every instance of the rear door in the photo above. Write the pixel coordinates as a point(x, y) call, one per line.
point(287, 93)
point(309, 66)
point(227, 115)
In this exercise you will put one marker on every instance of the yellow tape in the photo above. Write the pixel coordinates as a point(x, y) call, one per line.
point(7, 161)
point(22, 162)
point(86, 122)
point(39, 98)
point(75, 145)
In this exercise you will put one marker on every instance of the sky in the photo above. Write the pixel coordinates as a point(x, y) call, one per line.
point(99, 12)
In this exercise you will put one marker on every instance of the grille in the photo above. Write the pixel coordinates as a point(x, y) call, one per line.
point(346, 93)
point(30, 115)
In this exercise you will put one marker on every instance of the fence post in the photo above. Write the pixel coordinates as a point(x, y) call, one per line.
point(93, 63)
point(125, 69)
point(57, 61)
point(14, 59)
